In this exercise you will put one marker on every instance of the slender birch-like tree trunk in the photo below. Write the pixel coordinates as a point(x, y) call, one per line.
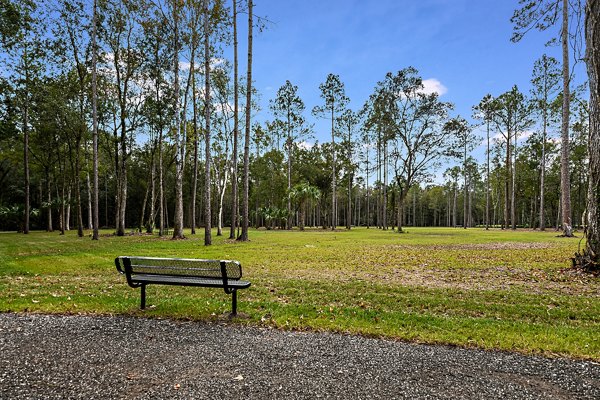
point(90, 221)
point(543, 160)
point(26, 164)
point(179, 142)
point(565, 181)
point(236, 115)
point(466, 185)
point(544, 134)
point(508, 164)
point(487, 183)
point(591, 257)
point(95, 123)
point(195, 173)
point(513, 208)
point(244, 234)
point(385, 184)
point(207, 107)
point(26, 143)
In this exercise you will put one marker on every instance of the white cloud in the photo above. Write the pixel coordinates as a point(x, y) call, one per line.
point(525, 135)
point(305, 145)
point(214, 63)
point(432, 85)
point(184, 66)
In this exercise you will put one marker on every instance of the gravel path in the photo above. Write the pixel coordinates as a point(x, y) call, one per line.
point(122, 357)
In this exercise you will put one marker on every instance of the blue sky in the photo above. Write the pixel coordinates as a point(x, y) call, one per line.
point(463, 44)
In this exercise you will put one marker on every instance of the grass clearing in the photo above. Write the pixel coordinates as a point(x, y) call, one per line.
point(475, 288)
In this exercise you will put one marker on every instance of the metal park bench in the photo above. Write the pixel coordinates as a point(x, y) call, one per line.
point(142, 271)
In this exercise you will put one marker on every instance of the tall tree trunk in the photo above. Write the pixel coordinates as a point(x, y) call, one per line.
point(78, 193)
point(385, 184)
point(161, 198)
point(454, 201)
point(513, 208)
point(470, 219)
point(161, 187)
point(350, 179)
point(466, 188)
point(222, 187)
point(349, 209)
point(90, 222)
point(368, 197)
point(487, 183)
point(49, 190)
point(592, 35)
point(289, 171)
point(96, 219)
point(122, 193)
point(207, 107)
point(565, 182)
point(196, 140)
point(81, 74)
point(145, 202)
point(26, 145)
point(401, 199)
point(400, 211)
point(236, 115)
point(334, 173)
point(68, 214)
point(152, 212)
point(508, 178)
point(179, 140)
point(26, 164)
point(543, 160)
point(244, 234)
point(63, 219)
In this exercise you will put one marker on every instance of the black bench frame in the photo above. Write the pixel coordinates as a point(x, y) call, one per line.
point(195, 273)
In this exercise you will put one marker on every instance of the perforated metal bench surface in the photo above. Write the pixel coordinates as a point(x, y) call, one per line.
point(142, 271)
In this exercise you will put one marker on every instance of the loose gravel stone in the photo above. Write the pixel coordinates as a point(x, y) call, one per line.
point(87, 357)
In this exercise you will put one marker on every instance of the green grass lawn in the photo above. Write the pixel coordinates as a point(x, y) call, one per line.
point(474, 288)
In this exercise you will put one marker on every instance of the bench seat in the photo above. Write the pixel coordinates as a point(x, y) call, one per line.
point(188, 281)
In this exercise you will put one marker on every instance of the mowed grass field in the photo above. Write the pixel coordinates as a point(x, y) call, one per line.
point(507, 290)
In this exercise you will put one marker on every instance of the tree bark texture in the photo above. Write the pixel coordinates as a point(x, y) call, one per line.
point(179, 142)
point(96, 220)
point(207, 188)
point(236, 115)
point(565, 181)
point(592, 36)
point(26, 163)
point(487, 183)
point(245, 213)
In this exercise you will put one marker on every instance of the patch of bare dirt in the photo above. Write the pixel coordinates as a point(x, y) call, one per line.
point(481, 246)
point(535, 281)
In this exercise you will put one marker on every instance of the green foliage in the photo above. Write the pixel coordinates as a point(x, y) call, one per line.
point(11, 217)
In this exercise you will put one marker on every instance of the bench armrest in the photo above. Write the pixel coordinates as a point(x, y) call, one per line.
point(125, 269)
point(224, 275)
point(118, 265)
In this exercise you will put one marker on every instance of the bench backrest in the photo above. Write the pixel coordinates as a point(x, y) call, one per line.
point(184, 267)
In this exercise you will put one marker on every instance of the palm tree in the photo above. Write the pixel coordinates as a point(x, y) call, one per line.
point(301, 193)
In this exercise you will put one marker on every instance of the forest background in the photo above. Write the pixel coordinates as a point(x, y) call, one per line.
point(172, 148)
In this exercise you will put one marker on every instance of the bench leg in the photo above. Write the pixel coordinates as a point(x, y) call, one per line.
point(234, 302)
point(143, 302)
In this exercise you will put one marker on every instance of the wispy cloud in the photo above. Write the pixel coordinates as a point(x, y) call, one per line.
point(305, 145)
point(433, 85)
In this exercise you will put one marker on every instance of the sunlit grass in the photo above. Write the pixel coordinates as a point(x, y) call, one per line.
point(490, 289)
